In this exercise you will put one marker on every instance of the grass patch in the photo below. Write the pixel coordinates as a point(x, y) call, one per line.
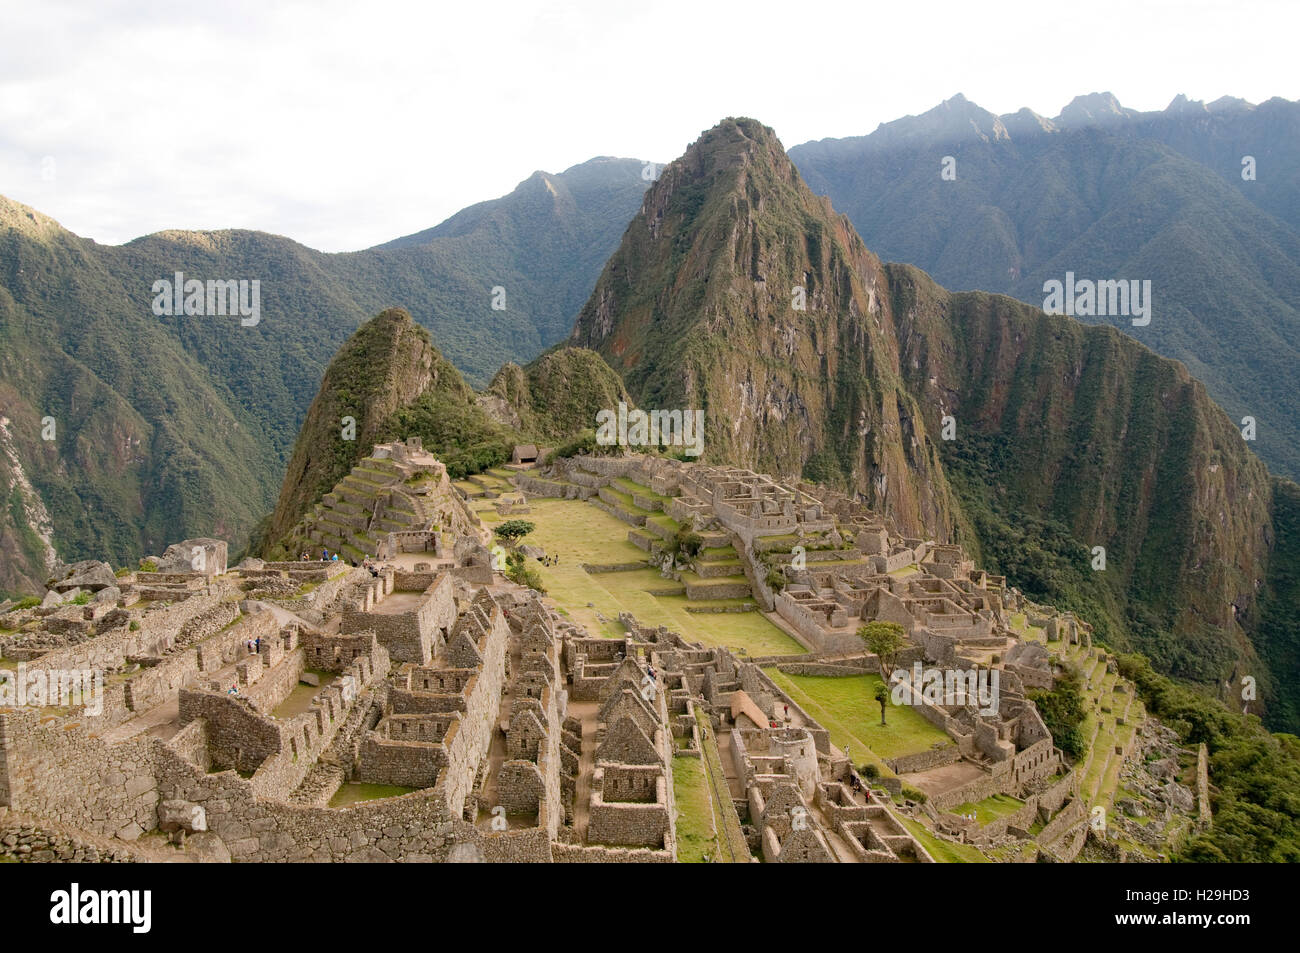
point(696, 839)
point(356, 793)
point(944, 852)
point(846, 707)
point(580, 533)
point(991, 808)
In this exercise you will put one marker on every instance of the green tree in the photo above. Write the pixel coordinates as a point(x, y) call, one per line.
point(518, 570)
point(882, 696)
point(514, 530)
point(884, 640)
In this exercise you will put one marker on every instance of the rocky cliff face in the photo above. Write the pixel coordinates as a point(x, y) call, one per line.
point(1084, 427)
point(739, 292)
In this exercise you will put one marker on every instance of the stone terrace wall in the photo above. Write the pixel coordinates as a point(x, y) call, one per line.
point(56, 768)
point(591, 854)
point(415, 827)
point(157, 684)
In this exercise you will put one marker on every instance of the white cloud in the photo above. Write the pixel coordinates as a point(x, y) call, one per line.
point(343, 124)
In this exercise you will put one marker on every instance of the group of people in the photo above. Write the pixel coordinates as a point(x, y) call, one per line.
point(254, 645)
point(550, 560)
point(372, 567)
point(326, 557)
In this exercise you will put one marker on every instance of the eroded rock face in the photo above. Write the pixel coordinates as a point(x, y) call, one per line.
point(195, 555)
point(90, 575)
point(1179, 797)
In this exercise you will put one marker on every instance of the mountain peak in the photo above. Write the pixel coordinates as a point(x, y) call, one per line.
point(1094, 109)
point(1226, 103)
point(1181, 104)
point(953, 119)
point(740, 292)
point(26, 220)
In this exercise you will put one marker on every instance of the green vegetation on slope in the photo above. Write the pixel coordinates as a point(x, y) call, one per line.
point(1160, 198)
point(176, 426)
point(1256, 775)
point(556, 396)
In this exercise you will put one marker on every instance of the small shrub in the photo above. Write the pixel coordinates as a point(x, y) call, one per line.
point(518, 571)
point(81, 599)
point(912, 794)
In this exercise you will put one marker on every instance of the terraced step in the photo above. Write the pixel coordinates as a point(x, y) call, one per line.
point(725, 587)
point(640, 496)
point(719, 569)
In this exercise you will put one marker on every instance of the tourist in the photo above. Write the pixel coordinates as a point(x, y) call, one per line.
point(257, 645)
point(787, 712)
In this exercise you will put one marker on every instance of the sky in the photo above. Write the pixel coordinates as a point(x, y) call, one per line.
point(347, 124)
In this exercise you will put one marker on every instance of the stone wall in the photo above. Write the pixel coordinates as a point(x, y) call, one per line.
point(925, 760)
point(55, 768)
point(414, 635)
point(38, 844)
point(593, 854)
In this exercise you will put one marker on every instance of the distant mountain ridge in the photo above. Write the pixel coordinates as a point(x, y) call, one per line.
point(1106, 192)
point(176, 426)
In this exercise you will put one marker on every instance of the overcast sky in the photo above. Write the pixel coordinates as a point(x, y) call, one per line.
point(346, 124)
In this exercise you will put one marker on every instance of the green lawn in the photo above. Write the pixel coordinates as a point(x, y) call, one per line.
point(356, 793)
point(665, 521)
point(944, 852)
point(846, 707)
point(696, 838)
point(582, 533)
point(991, 808)
point(628, 486)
